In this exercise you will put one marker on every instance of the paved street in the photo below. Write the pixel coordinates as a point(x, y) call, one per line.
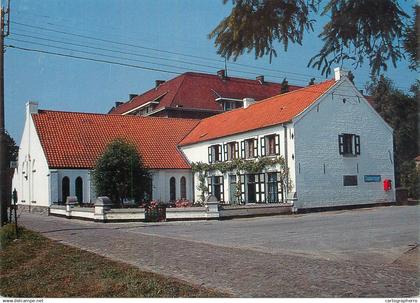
point(356, 253)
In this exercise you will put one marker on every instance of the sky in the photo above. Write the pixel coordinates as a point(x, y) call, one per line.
point(167, 35)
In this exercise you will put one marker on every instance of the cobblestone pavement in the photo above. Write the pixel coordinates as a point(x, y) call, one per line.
point(236, 269)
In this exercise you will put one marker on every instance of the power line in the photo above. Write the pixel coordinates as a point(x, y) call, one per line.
point(159, 50)
point(130, 59)
point(92, 59)
point(136, 66)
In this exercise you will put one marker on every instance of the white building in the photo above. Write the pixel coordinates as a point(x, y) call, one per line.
point(58, 151)
point(338, 149)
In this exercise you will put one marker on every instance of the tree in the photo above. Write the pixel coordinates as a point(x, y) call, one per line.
point(399, 110)
point(12, 150)
point(356, 30)
point(120, 173)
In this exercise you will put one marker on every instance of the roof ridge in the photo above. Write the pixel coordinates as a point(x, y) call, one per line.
point(118, 115)
point(177, 91)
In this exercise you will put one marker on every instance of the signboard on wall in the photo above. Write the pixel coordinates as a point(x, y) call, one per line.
point(372, 178)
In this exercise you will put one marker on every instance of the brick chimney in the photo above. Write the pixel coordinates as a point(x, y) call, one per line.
point(260, 79)
point(159, 82)
point(221, 73)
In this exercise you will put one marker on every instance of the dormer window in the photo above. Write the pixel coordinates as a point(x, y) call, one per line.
point(231, 151)
point(349, 145)
point(215, 153)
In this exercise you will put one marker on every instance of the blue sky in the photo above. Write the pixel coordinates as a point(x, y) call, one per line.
point(175, 26)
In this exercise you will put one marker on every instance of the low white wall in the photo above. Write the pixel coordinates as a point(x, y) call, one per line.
point(128, 214)
point(255, 210)
point(186, 213)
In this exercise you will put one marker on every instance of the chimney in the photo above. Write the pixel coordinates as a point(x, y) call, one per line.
point(31, 107)
point(260, 79)
point(248, 102)
point(118, 103)
point(159, 82)
point(131, 96)
point(340, 73)
point(221, 74)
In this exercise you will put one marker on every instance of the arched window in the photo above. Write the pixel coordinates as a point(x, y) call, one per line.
point(79, 189)
point(172, 189)
point(183, 185)
point(65, 189)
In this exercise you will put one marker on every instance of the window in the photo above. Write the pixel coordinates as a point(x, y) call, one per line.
point(255, 188)
point(215, 153)
point(172, 189)
point(349, 144)
point(229, 105)
point(231, 151)
point(183, 186)
point(350, 180)
point(274, 188)
point(79, 189)
point(249, 148)
point(65, 189)
point(215, 187)
point(270, 145)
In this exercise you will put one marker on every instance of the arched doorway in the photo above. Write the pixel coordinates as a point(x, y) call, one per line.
point(172, 189)
point(65, 189)
point(183, 186)
point(79, 189)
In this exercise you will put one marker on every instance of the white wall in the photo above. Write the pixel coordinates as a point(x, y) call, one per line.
point(199, 152)
point(316, 143)
point(161, 179)
point(31, 177)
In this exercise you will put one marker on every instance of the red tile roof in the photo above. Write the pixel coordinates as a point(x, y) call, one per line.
point(272, 111)
point(197, 90)
point(75, 140)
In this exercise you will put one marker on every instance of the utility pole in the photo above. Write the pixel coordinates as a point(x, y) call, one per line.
point(5, 30)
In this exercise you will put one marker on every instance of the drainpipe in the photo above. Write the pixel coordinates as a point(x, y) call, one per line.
point(286, 158)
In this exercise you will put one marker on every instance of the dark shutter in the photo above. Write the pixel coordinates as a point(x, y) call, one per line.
point(277, 144)
point(242, 149)
point(225, 149)
point(236, 150)
point(255, 147)
point(209, 154)
point(219, 152)
point(341, 144)
point(357, 144)
point(262, 146)
point(222, 188)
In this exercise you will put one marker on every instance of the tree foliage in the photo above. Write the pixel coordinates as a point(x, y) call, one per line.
point(12, 149)
point(120, 173)
point(400, 111)
point(355, 31)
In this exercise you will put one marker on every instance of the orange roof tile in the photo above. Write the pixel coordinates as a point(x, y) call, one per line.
point(75, 140)
point(271, 111)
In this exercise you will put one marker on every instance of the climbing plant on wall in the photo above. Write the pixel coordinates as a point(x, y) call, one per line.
point(240, 166)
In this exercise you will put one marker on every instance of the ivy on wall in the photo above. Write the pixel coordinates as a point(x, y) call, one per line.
point(240, 166)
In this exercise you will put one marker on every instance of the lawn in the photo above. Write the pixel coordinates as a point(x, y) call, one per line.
point(34, 266)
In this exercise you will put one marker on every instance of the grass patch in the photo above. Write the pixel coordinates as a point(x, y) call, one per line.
point(34, 266)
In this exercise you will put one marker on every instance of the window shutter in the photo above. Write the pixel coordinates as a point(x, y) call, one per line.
point(262, 146)
point(219, 152)
point(357, 144)
point(341, 144)
point(225, 149)
point(242, 149)
point(255, 147)
point(209, 154)
point(222, 189)
point(277, 144)
point(209, 184)
point(236, 150)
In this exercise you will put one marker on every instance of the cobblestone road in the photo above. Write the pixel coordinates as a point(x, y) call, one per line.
point(236, 269)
